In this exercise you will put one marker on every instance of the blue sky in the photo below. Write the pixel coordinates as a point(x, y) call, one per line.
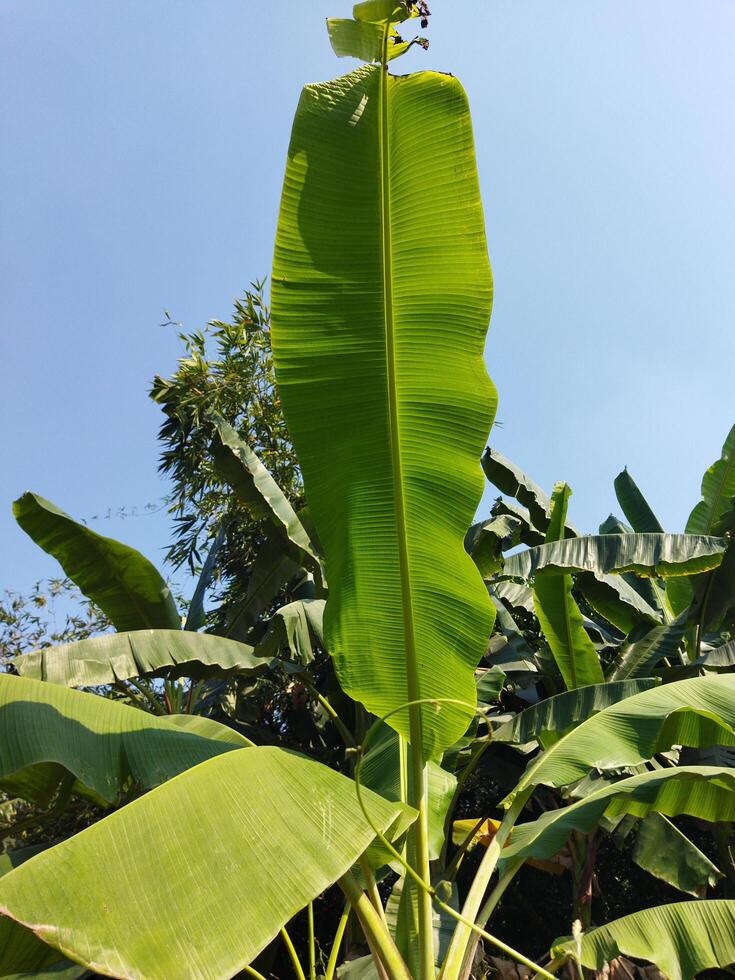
point(143, 151)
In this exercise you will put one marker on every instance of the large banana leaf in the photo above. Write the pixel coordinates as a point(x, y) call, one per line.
point(195, 615)
point(613, 598)
point(664, 851)
point(696, 712)
point(121, 581)
point(381, 772)
point(681, 939)
point(553, 717)
point(380, 303)
point(49, 734)
point(297, 625)
point(119, 656)
point(635, 506)
point(559, 615)
point(639, 657)
point(644, 554)
point(707, 792)
point(239, 466)
point(135, 894)
point(21, 951)
point(512, 481)
point(718, 490)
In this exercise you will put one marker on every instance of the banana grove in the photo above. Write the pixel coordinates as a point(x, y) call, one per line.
point(592, 675)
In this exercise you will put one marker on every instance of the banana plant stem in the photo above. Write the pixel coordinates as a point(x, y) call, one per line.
point(503, 947)
point(337, 942)
point(378, 937)
point(487, 910)
point(372, 889)
point(312, 942)
point(298, 969)
point(452, 966)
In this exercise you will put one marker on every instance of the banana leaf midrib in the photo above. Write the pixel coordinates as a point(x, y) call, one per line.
point(394, 427)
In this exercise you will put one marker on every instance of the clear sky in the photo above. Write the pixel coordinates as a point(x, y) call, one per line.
point(143, 147)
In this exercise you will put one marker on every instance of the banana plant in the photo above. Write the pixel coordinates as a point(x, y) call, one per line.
point(381, 299)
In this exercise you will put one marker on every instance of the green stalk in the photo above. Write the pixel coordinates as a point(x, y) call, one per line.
point(312, 943)
point(296, 962)
point(378, 937)
point(452, 965)
point(337, 942)
point(420, 830)
point(489, 907)
point(372, 889)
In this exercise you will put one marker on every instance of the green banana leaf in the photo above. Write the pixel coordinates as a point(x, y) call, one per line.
point(49, 734)
point(639, 658)
point(381, 772)
point(271, 572)
point(528, 534)
point(487, 541)
point(698, 712)
point(559, 615)
point(635, 506)
point(195, 615)
point(119, 656)
point(615, 600)
point(645, 554)
point(297, 626)
point(707, 792)
point(381, 298)
point(513, 482)
point(664, 851)
point(21, 951)
point(553, 717)
point(681, 939)
point(280, 829)
point(718, 490)
point(121, 581)
point(251, 482)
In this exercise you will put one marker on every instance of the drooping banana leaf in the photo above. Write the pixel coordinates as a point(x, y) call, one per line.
point(551, 718)
point(664, 851)
point(513, 482)
point(489, 685)
point(615, 600)
point(271, 572)
point(635, 506)
point(297, 626)
point(196, 613)
point(121, 581)
point(50, 733)
point(639, 657)
point(487, 540)
point(119, 656)
point(558, 614)
point(278, 827)
point(241, 468)
point(706, 792)
point(696, 712)
point(682, 939)
point(381, 298)
point(645, 554)
point(527, 533)
point(718, 490)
